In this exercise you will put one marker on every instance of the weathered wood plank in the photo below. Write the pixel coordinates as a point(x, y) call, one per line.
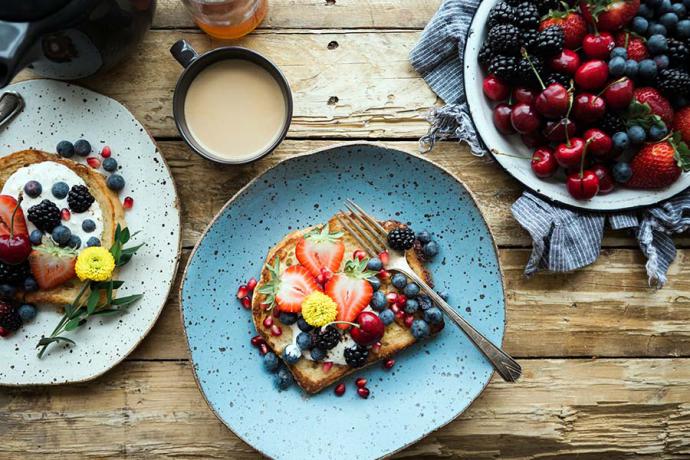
point(321, 14)
point(585, 408)
point(603, 310)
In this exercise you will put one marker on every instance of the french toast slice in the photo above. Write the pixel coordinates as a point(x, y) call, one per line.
point(113, 213)
point(311, 375)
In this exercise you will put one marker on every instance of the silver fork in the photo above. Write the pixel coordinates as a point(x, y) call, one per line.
point(373, 239)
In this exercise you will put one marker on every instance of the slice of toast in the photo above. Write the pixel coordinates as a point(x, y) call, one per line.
point(311, 375)
point(113, 213)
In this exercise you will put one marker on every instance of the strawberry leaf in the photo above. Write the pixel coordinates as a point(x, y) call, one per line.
point(640, 114)
point(682, 151)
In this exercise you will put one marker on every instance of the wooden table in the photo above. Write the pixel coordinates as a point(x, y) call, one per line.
point(605, 358)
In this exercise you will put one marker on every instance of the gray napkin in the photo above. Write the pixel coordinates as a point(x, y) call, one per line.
point(563, 240)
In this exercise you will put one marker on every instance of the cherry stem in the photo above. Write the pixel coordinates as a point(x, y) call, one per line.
point(584, 154)
point(620, 80)
point(534, 69)
point(19, 202)
point(342, 322)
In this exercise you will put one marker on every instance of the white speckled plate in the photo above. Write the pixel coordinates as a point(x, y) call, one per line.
point(55, 111)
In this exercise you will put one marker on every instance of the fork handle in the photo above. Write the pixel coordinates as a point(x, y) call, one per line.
point(504, 364)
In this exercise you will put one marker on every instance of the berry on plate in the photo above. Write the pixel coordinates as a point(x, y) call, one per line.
point(52, 266)
point(573, 26)
point(320, 249)
point(609, 15)
point(288, 289)
point(634, 46)
point(659, 165)
point(658, 104)
point(14, 240)
point(350, 290)
point(681, 123)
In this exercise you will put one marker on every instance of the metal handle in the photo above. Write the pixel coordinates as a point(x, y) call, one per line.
point(504, 364)
point(10, 105)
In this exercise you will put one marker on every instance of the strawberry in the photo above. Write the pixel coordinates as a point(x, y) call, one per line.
point(288, 289)
point(658, 103)
point(351, 290)
point(681, 123)
point(52, 265)
point(659, 165)
point(320, 249)
point(7, 206)
point(635, 46)
point(573, 25)
point(609, 15)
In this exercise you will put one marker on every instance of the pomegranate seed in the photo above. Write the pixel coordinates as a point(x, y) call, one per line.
point(399, 314)
point(263, 349)
point(395, 309)
point(392, 297)
point(128, 202)
point(268, 321)
point(376, 347)
point(242, 292)
point(276, 331)
point(408, 320)
point(340, 389)
point(363, 392)
point(385, 257)
point(359, 254)
point(246, 303)
point(4, 332)
point(400, 301)
point(383, 274)
point(257, 340)
point(251, 284)
point(105, 152)
point(327, 366)
point(389, 363)
point(361, 382)
point(94, 162)
point(65, 214)
point(275, 313)
point(320, 278)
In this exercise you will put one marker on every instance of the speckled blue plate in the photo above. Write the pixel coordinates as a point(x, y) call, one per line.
point(432, 382)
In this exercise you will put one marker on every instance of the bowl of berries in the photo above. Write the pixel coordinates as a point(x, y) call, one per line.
point(585, 102)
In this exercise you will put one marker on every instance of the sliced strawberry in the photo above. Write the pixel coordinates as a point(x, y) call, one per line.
point(52, 265)
point(7, 205)
point(320, 249)
point(351, 290)
point(287, 290)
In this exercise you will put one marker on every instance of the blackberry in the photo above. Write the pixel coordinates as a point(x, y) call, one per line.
point(612, 123)
point(544, 6)
point(501, 13)
point(674, 82)
point(79, 198)
point(14, 275)
point(528, 39)
point(356, 356)
point(678, 53)
point(401, 238)
point(504, 67)
point(549, 42)
point(557, 77)
point(526, 16)
point(526, 74)
point(504, 38)
point(513, 2)
point(327, 338)
point(485, 55)
point(44, 215)
point(9, 317)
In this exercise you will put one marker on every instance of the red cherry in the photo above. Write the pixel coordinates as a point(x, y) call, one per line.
point(495, 89)
point(566, 62)
point(582, 186)
point(339, 390)
point(543, 162)
point(557, 131)
point(370, 329)
point(598, 46)
point(600, 144)
point(592, 74)
point(569, 156)
point(553, 102)
point(14, 247)
point(526, 95)
point(619, 94)
point(588, 108)
point(106, 152)
point(501, 116)
point(533, 140)
point(606, 182)
point(524, 118)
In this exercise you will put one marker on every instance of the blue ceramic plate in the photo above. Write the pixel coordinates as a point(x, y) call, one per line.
point(432, 382)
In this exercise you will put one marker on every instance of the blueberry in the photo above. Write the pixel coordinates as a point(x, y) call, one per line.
point(619, 51)
point(680, 10)
point(399, 280)
point(7, 291)
point(60, 190)
point(637, 134)
point(88, 225)
point(631, 68)
point(292, 354)
point(283, 379)
point(645, 11)
point(109, 164)
point(656, 29)
point(304, 340)
point(374, 264)
point(74, 242)
point(664, 7)
point(683, 29)
point(669, 20)
point(317, 354)
point(617, 66)
point(411, 306)
point(425, 302)
point(657, 131)
point(82, 148)
point(288, 318)
point(662, 61)
point(639, 25)
point(420, 329)
point(61, 235)
point(653, 3)
point(92, 242)
point(621, 172)
point(657, 44)
point(434, 315)
point(686, 3)
point(621, 141)
point(27, 312)
point(424, 236)
point(387, 316)
point(36, 237)
point(444, 295)
point(33, 189)
point(647, 69)
point(378, 301)
point(271, 362)
point(303, 325)
point(65, 149)
point(30, 284)
point(430, 249)
point(411, 290)
point(375, 283)
point(115, 182)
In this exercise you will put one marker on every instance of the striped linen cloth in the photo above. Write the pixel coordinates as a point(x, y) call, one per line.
point(563, 240)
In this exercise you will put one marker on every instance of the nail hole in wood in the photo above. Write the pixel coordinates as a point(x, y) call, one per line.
point(330, 2)
point(333, 100)
point(333, 45)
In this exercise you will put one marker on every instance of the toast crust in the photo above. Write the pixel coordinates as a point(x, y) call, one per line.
point(310, 375)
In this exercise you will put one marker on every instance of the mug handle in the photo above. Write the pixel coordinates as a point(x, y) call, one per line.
point(183, 52)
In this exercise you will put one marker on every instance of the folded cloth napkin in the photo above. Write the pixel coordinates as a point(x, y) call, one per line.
point(563, 239)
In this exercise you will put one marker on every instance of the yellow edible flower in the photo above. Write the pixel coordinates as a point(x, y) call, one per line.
point(318, 309)
point(95, 264)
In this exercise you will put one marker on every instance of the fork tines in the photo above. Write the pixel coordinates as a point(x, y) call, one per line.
point(364, 228)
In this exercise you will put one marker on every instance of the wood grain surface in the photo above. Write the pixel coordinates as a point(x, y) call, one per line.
point(606, 358)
